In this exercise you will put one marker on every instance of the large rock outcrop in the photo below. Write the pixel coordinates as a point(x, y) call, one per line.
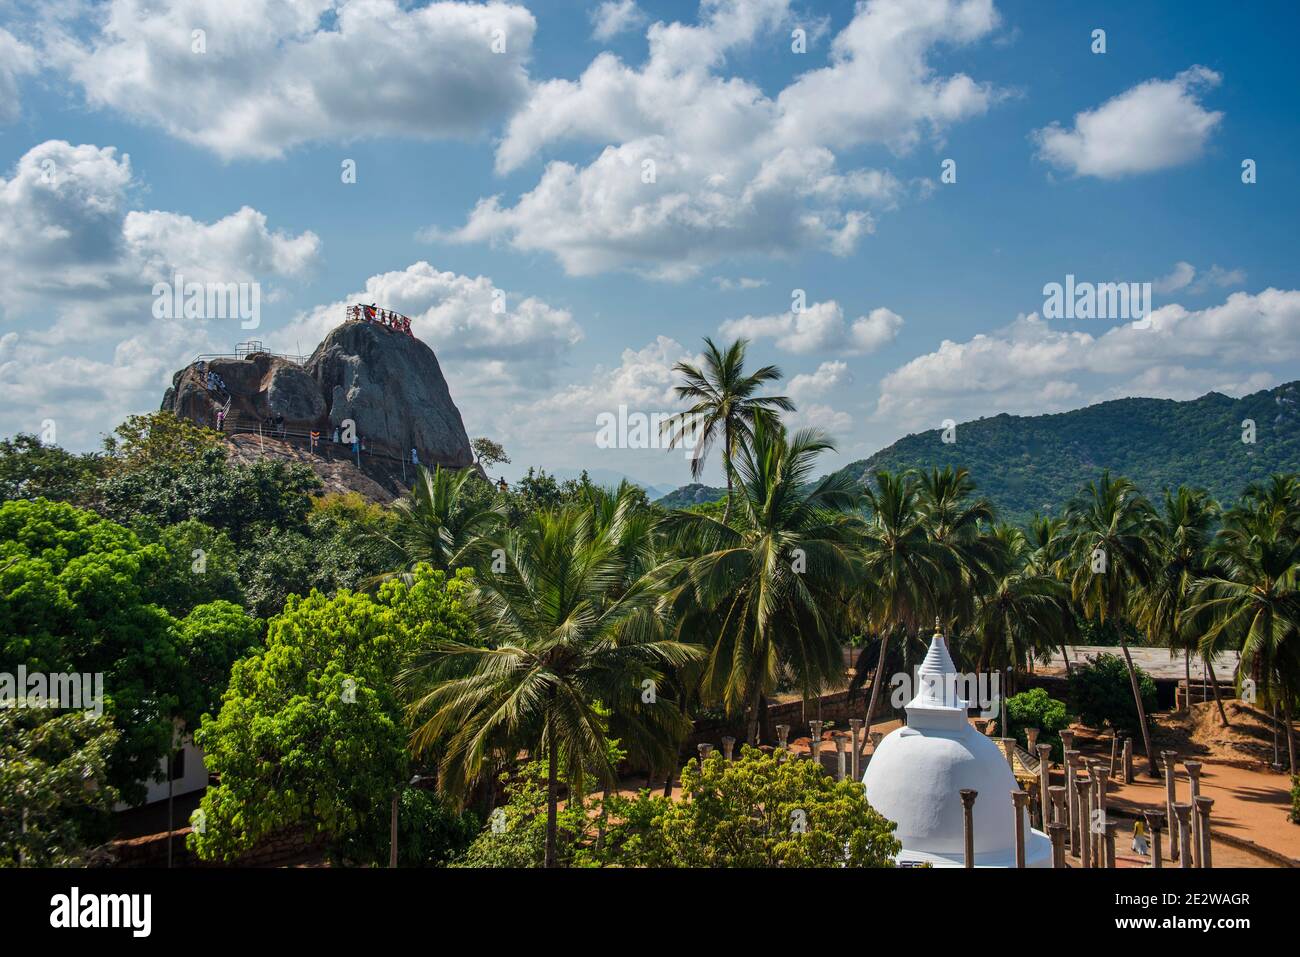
point(392, 387)
point(388, 383)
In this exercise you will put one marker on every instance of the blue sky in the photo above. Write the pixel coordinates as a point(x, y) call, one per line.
point(774, 171)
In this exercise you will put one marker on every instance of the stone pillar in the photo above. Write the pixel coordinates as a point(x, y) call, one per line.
point(815, 743)
point(1203, 805)
point(1059, 805)
point(1031, 738)
point(1128, 760)
point(1108, 842)
point(1008, 748)
point(1018, 799)
point(1067, 741)
point(1171, 797)
point(1056, 832)
point(1045, 782)
point(1155, 824)
point(782, 736)
point(841, 768)
point(1082, 787)
point(968, 797)
point(855, 726)
point(728, 747)
point(1184, 813)
point(1072, 797)
point(1194, 774)
point(704, 750)
point(1112, 769)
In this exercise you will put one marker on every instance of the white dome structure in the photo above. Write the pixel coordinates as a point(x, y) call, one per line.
point(916, 773)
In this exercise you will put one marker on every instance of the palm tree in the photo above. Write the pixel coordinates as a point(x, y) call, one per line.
point(1252, 598)
point(1182, 536)
point(773, 589)
point(723, 406)
point(1109, 558)
point(958, 522)
point(906, 568)
point(1047, 538)
point(568, 640)
point(437, 523)
point(1026, 613)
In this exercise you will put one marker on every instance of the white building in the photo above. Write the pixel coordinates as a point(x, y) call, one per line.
point(915, 775)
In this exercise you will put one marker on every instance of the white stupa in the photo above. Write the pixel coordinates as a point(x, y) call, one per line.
point(916, 773)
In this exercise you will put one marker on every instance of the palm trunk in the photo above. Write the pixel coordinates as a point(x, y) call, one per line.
point(726, 467)
point(672, 773)
point(1290, 732)
point(1187, 677)
point(1218, 699)
point(756, 716)
point(875, 679)
point(552, 802)
point(1142, 711)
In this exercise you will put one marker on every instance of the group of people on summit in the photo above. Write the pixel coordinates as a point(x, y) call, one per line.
point(384, 317)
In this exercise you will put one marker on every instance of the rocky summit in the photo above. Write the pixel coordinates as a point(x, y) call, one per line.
point(388, 384)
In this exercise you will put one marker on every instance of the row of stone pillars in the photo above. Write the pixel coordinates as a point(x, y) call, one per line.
point(1076, 813)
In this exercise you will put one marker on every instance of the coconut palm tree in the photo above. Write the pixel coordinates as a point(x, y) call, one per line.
point(1182, 535)
point(773, 588)
point(724, 406)
point(1110, 557)
point(437, 523)
point(567, 640)
point(1026, 613)
point(907, 570)
point(959, 522)
point(1251, 600)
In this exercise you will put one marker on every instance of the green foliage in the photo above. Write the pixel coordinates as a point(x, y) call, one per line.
point(201, 565)
point(1035, 709)
point(430, 833)
point(693, 496)
point(240, 500)
point(518, 839)
point(1028, 464)
point(30, 469)
point(1100, 692)
point(159, 438)
point(311, 729)
point(53, 766)
point(1295, 799)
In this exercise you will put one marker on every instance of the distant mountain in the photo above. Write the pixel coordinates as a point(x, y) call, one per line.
point(609, 478)
point(693, 494)
point(1037, 463)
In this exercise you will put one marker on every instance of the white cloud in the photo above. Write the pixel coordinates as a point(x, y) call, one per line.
point(819, 327)
point(693, 165)
point(726, 284)
point(808, 385)
point(16, 60)
point(1184, 276)
point(278, 73)
point(1155, 125)
point(614, 17)
point(77, 267)
point(1031, 368)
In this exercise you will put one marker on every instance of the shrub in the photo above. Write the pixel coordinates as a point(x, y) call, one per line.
point(1100, 692)
point(1035, 709)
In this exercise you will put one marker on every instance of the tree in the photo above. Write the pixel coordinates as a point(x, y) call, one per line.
point(906, 569)
point(1111, 557)
point(31, 469)
point(763, 811)
point(776, 585)
point(54, 791)
point(488, 453)
point(724, 406)
point(159, 438)
point(311, 731)
point(561, 647)
point(433, 526)
point(1100, 693)
point(202, 565)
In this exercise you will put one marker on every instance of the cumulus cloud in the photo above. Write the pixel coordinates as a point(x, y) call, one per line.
point(1155, 125)
point(810, 385)
point(1031, 368)
point(693, 164)
point(614, 17)
point(819, 327)
point(1184, 276)
point(78, 266)
point(273, 74)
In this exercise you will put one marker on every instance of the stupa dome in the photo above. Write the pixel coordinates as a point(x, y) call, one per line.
point(915, 776)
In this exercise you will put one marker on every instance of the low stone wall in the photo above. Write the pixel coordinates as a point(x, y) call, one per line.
point(290, 847)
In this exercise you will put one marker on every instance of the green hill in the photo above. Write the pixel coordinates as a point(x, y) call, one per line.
point(1037, 463)
point(693, 494)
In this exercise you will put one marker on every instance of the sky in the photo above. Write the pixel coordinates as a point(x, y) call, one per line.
point(567, 197)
